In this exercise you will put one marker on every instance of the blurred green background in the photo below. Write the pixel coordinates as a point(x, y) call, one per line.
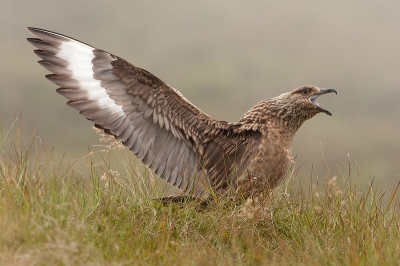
point(224, 56)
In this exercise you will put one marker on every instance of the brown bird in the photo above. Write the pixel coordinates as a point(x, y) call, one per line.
point(201, 156)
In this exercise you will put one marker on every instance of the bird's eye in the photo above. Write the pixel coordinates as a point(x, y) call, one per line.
point(305, 91)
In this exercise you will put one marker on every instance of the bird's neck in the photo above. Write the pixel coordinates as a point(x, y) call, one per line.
point(276, 116)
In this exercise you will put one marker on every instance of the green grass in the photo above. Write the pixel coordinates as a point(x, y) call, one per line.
point(51, 214)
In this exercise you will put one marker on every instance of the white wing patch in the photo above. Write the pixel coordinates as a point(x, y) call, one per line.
point(80, 56)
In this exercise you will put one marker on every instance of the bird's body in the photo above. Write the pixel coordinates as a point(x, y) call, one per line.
point(180, 143)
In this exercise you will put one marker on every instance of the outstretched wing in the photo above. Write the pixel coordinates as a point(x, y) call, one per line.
point(168, 133)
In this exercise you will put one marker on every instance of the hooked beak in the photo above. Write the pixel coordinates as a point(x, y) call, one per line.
point(313, 99)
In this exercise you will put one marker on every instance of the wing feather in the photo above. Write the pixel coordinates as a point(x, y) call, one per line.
point(50, 58)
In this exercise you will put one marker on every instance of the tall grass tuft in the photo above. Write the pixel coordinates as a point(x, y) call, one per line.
point(52, 214)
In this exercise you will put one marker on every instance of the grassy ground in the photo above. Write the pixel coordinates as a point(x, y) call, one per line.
point(53, 215)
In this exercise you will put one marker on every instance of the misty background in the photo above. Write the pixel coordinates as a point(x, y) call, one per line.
point(225, 56)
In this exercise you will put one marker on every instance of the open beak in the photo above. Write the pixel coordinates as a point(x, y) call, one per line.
point(313, 99)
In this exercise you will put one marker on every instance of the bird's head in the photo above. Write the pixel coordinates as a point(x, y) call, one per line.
point(295, 107)
point(305, 99)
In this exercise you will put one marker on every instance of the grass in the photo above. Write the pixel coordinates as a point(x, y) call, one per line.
point(51, 214)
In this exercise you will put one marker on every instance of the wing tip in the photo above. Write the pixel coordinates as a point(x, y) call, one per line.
point(35, 30)
point(52, 37)
point(31, 29)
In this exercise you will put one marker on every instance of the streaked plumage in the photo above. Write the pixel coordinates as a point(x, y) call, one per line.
point(180, 143)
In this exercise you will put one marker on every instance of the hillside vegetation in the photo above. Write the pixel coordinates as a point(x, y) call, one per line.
point(51, 214)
